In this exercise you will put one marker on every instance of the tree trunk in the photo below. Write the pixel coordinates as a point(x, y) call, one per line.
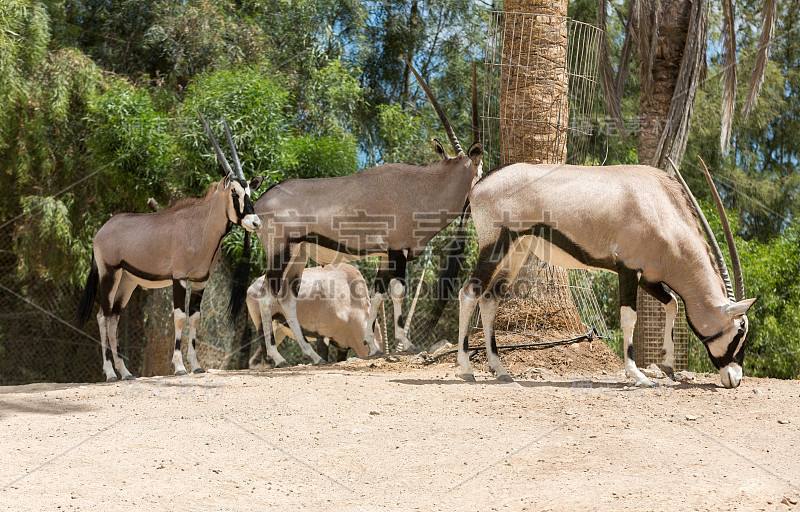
point(654, 113)
point(534, 106)
point(534, 115)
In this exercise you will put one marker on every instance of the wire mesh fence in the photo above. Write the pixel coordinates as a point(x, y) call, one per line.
point(39, 342)
point(540, 105)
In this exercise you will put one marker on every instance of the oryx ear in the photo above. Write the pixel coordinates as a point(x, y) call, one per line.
point(225, 182)
point(256, 182)
point(740, 308)
point(475, 152)
point(437, 146)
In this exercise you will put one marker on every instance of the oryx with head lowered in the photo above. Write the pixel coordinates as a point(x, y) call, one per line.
point(392, 211)
point(634, 220)
point(174, 246)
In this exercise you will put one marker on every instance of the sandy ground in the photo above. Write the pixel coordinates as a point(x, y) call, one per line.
point(387, 435)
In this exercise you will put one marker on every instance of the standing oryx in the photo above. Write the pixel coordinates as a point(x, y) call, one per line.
point(174, 246)
point(392, 210)
point(634, 220)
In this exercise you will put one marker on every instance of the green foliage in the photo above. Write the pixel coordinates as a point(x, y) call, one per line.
point(130, 142)
point(399, 132)
point(48, 220)
point(256, 109)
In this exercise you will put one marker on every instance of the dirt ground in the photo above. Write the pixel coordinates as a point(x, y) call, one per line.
point(393, 435)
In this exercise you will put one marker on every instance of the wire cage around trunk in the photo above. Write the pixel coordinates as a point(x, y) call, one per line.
point(540, 105)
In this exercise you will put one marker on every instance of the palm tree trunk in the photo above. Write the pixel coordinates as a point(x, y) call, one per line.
point(534, 107)
point(534, 115)
point(655, 111)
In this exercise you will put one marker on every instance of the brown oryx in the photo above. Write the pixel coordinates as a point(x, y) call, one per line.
point(634, 220)
point(332, 304)
point(392, 211)
point(173, 246)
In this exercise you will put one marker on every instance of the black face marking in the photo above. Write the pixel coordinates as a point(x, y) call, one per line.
point(730, 355)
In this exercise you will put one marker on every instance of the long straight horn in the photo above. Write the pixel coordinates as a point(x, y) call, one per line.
point(476, 133)
point(443, 118)
point(712, 240)
point(736, 265)
point(216, 146)
point(236, 163)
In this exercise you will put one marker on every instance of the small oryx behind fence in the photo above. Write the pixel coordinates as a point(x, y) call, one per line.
point(392, 211)
point(332, 306)
point(634, 220)
point(173, 246)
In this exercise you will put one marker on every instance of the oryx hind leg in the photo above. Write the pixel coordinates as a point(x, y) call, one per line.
point(195, 298)
point(628, 286)
point(108, 283)
point(287, 298)
point(123, 294)
point(498, 265)
point(369, 331)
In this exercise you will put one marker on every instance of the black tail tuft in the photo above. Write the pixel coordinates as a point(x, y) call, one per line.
point(87, 299)
point(241, 277)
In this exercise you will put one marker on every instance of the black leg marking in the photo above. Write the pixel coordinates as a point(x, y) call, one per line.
point(109, 354)
point(178, 295)
point(401, 321)
point(630, 351)
point(493, 344)
point(628, 285)
point(177, 344)
point(465, 343)
point(195, 299)
point(658, 290)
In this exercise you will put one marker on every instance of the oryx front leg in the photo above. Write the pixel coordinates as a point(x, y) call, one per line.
point(266, 304)
point(628, 288)
point(668, 350)
point(179, 319)
point(195, 299)
point(287, 298)
point(397, 290)
point(369, 332)
point(289, 305)
point(488, 304)
point(467, 299)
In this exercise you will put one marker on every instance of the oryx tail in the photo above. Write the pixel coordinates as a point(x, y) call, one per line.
point(87, 299)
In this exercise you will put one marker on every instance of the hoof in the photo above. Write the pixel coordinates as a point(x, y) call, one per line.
point(129, 377)
point(468, 377)
point(198, 370)
point(321, 362)
point(505, 378)
point(645, 384)
point(282, 364)
point(668, 371)
point(411, 350)
point(112, 379)
point(180, 372)
point(379, 353)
